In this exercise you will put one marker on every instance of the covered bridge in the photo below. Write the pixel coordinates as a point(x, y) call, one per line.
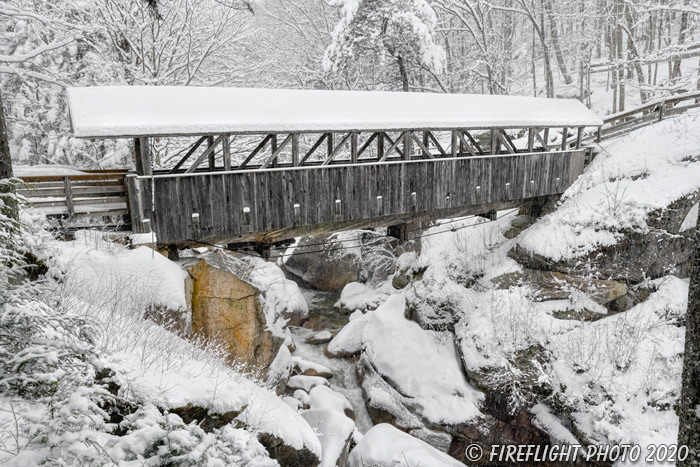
point(263, 165)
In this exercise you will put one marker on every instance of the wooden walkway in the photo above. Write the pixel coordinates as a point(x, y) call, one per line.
point(94, 194)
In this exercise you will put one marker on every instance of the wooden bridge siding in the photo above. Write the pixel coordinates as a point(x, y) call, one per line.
point(219, 198)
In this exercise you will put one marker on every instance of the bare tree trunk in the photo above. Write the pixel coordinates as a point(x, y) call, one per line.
point(5, 160)
point(404, 73)
point(676, 71)
point(548, 76)
point(634, 56)
point(554, 32)
point(534, 65)
point(621, 68)
point(689, 429)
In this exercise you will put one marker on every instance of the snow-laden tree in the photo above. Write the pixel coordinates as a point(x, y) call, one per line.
point(184, 42)
point(399, 31)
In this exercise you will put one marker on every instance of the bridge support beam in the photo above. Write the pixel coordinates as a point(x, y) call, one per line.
point(142, 156)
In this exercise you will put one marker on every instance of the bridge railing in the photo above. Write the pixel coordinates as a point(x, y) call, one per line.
point(624, 122)
point(92, 194)
point(212, 153)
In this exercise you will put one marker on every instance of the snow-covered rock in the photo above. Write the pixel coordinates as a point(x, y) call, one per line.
point(348, 341)
point(334, 431)
point(307, 368)
point(306, 382)
point(422, 366)
point(323, 397)
point(386, 446)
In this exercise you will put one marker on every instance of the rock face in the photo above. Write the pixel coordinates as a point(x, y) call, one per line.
point(552, 285)
point(636, 257)
point(329, 269)
point(228, 308)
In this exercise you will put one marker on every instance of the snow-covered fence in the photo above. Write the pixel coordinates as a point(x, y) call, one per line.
point(92, 194)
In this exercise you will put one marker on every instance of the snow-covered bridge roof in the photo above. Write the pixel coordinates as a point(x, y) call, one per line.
point(132, 111)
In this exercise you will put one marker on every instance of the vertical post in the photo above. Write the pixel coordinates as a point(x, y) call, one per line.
point(295, 149)
point(455, 143)
point(407, 145)
point(494, 142)
point(546, 137)
point(661, 110)
point(226, 145)
point(380, 206)
point(426, 140)
point(530, 139)
point(353, 147)
point(69, 196)
point(564, 137)
point(273, 148)
point(246, 219)
point(196, 226)
point(212, 157)
point(297, 213)
point(380, 145)
point(142, 156)
point(338, 210)
point(579, 136)
point(330, 144)
point(599, 134)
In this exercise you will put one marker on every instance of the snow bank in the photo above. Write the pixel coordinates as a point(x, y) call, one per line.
point(387, 446)
point(635, 174)
point(94, 267)
point(108, 111)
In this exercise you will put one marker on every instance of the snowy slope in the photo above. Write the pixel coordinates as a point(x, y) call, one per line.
point(632, 176)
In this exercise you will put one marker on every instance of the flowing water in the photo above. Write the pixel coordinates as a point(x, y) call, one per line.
point(344, 380)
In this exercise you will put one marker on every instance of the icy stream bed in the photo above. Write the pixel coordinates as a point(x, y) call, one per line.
point(344, 380)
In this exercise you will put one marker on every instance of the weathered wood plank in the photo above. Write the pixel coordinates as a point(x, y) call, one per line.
point(255, 152)
point(441, 186)
point(226, 145)
point(207, 152)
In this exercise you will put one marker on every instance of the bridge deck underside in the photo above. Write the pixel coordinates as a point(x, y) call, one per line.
point(277, 204)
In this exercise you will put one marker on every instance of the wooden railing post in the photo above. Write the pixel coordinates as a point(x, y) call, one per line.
point(564, 137)
point(142, 156)
point(69, 196)
point(407, 145)
point(353, 147)
point(579, 137)
point(295, 149)
point(212, 158)
point(226, 145)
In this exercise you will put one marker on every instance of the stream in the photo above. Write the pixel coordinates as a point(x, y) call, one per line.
point(323, 316)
